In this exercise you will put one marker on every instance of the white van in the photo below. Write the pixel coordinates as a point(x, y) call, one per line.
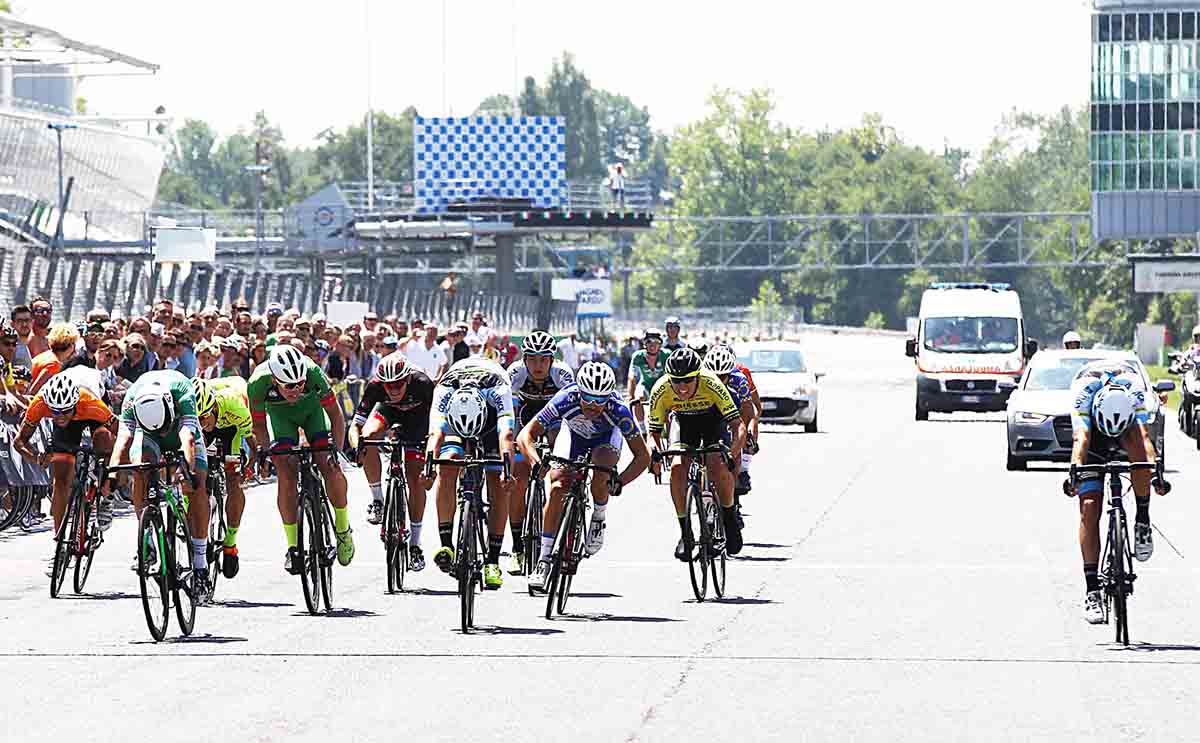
point(970, 349)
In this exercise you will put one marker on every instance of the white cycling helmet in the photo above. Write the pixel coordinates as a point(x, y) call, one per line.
point(1071, 337)
point(154, 409)
point(596, 378)
point(287, 364)
point(393, 368)
point(61, 393)
point(720, 360)
point(1113, 410)
point(538, 343)
point(467, 412)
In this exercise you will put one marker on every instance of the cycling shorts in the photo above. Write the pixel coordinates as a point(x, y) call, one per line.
point(67, 439)
point(700, 430)
point(414, 426)
point(150, 449)
point(287, 421)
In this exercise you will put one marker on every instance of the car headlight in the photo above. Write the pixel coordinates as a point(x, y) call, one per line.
point(1034, 418)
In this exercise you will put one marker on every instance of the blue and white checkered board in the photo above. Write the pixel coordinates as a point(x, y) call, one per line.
point(483, 157)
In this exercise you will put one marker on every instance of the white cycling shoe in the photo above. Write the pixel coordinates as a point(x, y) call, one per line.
point(1093, 607)
point(1143, 541)
point(595, 539)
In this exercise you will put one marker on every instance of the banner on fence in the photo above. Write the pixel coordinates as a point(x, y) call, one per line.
point(342, 314)
point(593, 296)
point(179, 244)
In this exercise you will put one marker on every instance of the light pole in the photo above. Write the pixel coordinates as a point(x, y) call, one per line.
point(59, 127)
point(259, 171)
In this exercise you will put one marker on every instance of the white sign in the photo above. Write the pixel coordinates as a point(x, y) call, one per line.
point(342, 314)
point(593, 296)
point(1154, 277)
point(185, 244)
point(1149, 342)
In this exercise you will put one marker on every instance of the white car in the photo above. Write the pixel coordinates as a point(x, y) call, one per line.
point(786, 386)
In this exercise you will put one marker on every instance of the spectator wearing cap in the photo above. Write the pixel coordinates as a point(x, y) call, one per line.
point(38, 339)
point(223, 328)
point(168, 351)
point(474, 346)
point(370, 320)
point(319, 324)
point(477, 322)
point(230, 362)
point(274, 312)
point(303, 327)
point(137, 358)
point(206, 360)
point(154, 344)
point(456, 345)
point(14, 398)
point(426, 354)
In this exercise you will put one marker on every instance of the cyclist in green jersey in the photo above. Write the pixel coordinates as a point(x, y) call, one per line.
point(159, 415)
point(645, 369)
point(295, 394)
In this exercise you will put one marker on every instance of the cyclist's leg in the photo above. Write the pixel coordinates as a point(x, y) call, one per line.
point(235, 497)
point(498, 493)
point(1090, 494)
point(285, 433)
point(372, 464)
point(317, 430)
point(445, 489)
point(608, 454)
point(64, 442)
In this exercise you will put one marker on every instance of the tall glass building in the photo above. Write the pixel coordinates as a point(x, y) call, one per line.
point(1144, 150)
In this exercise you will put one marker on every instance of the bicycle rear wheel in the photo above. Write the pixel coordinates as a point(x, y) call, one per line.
point(183, 577)
point(716, 565)
point(152, 572)
point(307, 542)
point(467, 570)
point(65, 544)
point(534, 509)
point(86, 541)
point(698, 558)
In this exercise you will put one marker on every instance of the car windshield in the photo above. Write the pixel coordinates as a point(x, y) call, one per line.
point(774, 361)
point(1055, 375)
point(971, 334)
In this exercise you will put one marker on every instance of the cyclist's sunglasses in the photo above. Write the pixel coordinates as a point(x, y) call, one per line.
point(63, 413)
point(680, 381)
point(396, 384)
point(293, 385)
point(42, 310)
point(593, 400)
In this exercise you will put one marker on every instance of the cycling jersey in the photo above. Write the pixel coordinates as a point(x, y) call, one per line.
point(89, 408)
point(233, 412)
point(306, 413)
point(1094, 377)
point(643, 374)
point(529, 396)
point(613, 424)
point(749, 377)
point(417, 400)
point(710, 395)
point(180, 389)
point(739, 387)
point(493, 384)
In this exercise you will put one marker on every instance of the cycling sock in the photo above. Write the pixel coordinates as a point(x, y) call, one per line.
point(414, 534)
point(683, 527)
point(341, 519)
point(231, 536)
point(290, 531)
point(1143, 510)
point(199, 554)
point(518, 537)
point(1090, 576)
point(446, 533)
point(547, 546)
point(598, 510)
point(376, 491)
point(494, 544)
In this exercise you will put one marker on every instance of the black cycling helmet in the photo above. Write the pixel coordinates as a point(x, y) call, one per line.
point(683, 364)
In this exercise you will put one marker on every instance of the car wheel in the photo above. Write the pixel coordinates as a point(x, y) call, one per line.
point(1016, 464)
point(811, 427)
point(922, 413)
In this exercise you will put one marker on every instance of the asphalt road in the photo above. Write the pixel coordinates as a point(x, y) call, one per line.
point(897, 584)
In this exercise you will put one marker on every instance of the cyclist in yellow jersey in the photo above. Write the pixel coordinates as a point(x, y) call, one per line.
point(705, 413)
point(225, 416)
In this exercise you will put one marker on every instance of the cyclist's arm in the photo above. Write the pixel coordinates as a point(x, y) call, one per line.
point(525, 440)
point(641, 457)
point(631, 385)
point(187, 443)
point(337, 422)
point(121, 447)
point(28, 426)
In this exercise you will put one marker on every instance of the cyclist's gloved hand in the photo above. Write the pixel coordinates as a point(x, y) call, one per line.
point(1068, 488)
point(614, 486)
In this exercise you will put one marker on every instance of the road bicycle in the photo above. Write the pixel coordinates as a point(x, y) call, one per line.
point(704, 518)
point(316, 546)
point(80, 534)
point(164, 547)
point(571, 539)
point(1116, 561)
point(394, 529)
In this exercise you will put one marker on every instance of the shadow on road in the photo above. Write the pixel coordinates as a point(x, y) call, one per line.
point(1149, 647)
point(734, 600)
point(242, 604)
point(595, 595)
point(107, 596)
point(339, 613)
point(766, 545)
point(430, 592)
point(758, 558)
point(485, 630)
point(793, 432)
point(603, 617)
point(205, 639)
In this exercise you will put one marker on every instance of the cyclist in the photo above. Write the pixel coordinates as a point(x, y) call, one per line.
point(645, 369)
point(721, 361)
point(472, 401)
point(1072, 341)
point(1110, 410)
point(673, 342)
point(295, 394)
point(161, 407)
point(705, 414)
point(224, 416)
point(399, 394)
point(742, 486)
point(73, 408)
point(536, 378)
point(598, 420)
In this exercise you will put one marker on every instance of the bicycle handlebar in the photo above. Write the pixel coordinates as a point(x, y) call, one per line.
point(505, 463)
point(1117, 468)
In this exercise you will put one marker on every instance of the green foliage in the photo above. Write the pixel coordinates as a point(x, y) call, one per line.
point(875, 320)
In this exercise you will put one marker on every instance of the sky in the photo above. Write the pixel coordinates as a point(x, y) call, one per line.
point(937, 70)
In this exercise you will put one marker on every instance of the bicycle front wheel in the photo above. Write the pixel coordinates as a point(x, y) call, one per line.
point(65, 543)
point(183, 577)
point(88, 535)
point(394, 526)
point(328, 551)
point(468, 569)
point(1120, 581)
point(698, 558)
point(716, 565)
point(307, 542)
point(574, 552)
point(152, 572)
point(534, 507)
